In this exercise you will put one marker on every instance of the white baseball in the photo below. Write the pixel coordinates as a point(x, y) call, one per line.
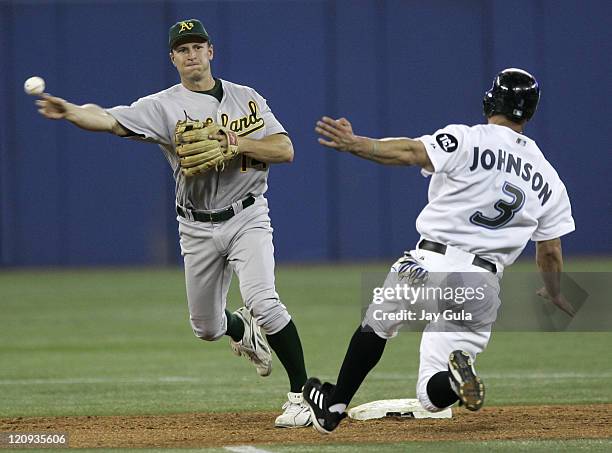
point(34, 85)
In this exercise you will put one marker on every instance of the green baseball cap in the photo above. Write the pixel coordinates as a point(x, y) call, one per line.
point(189, 30)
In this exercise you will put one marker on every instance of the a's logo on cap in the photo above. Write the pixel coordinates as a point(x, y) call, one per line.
point(186, 26)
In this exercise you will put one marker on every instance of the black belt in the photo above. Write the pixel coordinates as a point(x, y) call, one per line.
point(441, 248)
point(219, 216)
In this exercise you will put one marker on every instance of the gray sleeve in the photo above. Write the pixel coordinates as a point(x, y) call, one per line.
point(273, 126)
point(145, 118)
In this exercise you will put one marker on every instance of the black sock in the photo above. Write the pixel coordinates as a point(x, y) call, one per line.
point(363, 353)
point(288, 348)
point(439, 390)
point(235, 326)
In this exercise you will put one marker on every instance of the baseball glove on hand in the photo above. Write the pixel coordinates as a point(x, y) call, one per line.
point(197, 148)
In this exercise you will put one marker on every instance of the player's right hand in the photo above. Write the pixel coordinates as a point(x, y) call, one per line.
point(52, 107)
point(560, 302)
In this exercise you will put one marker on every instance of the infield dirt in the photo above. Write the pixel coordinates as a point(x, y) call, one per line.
point(221, 429)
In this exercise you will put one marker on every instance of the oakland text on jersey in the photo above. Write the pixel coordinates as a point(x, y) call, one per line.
point(507, 162)
point(245, 124)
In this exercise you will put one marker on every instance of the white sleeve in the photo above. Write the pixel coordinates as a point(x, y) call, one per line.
point(556, 220)
point(145, 118)
point(273, 126)
point(447, 148)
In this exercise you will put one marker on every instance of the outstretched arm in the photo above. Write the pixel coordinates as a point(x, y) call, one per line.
point(89, 116)
point(338, 134)
point(549, 258)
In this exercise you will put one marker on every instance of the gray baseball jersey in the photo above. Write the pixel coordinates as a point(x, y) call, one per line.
point(212, 251)
point(153, 118)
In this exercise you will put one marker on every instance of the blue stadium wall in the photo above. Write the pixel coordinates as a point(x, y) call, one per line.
point(395, 68)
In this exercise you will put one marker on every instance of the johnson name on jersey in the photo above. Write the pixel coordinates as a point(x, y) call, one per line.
point(492, 190)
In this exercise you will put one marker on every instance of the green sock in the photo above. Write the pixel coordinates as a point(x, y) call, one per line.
point(235, 326)
point(288, 348)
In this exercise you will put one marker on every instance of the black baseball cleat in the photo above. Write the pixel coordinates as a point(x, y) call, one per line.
point(469, 387)
point(316, 395)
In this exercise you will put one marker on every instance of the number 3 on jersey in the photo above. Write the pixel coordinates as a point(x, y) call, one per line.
point(506, 209)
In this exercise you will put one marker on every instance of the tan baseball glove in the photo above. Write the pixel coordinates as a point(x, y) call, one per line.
point(198, 151)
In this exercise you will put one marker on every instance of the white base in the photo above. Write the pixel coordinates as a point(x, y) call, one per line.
point(409, 408)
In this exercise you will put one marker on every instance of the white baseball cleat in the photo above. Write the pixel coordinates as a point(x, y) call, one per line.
point(296, 414)
point(253, 345)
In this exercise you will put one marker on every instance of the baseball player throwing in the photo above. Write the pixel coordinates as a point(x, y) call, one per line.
point(491, 191)
point(219, 138)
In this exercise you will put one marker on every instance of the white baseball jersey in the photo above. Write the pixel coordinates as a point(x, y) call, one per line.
point(242, 109)
point(492, 191)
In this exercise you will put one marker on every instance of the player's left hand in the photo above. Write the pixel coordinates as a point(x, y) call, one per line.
point(560, 302)
point(339, 132)
point(410, 270)
point(198, 152)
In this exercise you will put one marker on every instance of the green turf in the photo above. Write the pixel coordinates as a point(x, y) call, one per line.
point(452, 447)
point(118, 341)
point(569, 446)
